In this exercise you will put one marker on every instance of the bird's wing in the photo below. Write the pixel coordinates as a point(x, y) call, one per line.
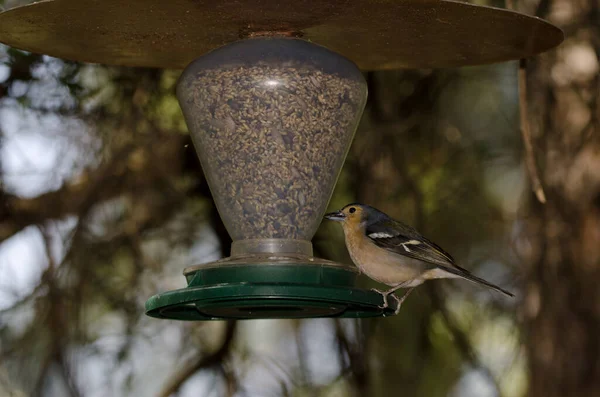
point(407, 241)
point(404, 240)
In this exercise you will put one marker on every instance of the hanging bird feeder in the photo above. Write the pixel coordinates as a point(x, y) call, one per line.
point(272, 94)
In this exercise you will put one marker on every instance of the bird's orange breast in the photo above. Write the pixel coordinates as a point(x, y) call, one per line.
point(377, 263)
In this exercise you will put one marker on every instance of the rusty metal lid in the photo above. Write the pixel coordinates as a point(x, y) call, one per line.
point(375, 34)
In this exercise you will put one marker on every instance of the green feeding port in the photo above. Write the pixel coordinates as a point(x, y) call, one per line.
point(272, 119)
point(287, 289)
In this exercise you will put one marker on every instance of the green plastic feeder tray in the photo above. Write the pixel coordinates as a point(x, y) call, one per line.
point(279, 287)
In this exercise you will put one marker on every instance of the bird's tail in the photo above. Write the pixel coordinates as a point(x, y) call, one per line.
point(458, 271)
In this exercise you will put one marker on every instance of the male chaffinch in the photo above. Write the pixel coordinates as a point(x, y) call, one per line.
point(395, 254)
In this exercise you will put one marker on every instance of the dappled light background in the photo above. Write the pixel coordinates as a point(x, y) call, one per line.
point(103, 203)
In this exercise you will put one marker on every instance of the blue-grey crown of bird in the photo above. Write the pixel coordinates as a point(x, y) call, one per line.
point(394, 253)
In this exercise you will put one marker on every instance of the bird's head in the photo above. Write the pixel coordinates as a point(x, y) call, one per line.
point(353, 214)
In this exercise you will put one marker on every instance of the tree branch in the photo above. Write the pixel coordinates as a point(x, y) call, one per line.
point(534, 176)
point(123, 173)
point(179, 378)
point(17, 213)
point(357, 364)
point(462, 341)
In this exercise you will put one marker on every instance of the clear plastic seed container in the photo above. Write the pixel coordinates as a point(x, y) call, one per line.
point(272, 120)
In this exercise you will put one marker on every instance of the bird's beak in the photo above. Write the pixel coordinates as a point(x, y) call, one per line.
point(338, 216)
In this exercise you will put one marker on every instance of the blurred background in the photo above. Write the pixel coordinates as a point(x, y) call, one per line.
point(103, 203)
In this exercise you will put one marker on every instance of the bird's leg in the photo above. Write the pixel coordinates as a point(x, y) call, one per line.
point(400, 300)
point(387, 293)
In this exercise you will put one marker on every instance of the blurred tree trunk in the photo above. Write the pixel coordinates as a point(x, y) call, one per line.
point(562, 248)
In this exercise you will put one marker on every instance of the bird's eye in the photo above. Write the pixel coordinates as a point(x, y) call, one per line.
point(352, 210)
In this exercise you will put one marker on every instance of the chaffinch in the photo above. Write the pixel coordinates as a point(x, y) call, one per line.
point(395, 254)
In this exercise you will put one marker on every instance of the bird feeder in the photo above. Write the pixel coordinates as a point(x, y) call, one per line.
point(272, 94)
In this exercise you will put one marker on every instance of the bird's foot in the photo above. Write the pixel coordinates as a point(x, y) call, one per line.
point(384, 295)
point(399, 301)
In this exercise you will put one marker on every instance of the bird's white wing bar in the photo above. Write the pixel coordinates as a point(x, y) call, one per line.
point(388, 235)
point(410, 242)
point(382, 235)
